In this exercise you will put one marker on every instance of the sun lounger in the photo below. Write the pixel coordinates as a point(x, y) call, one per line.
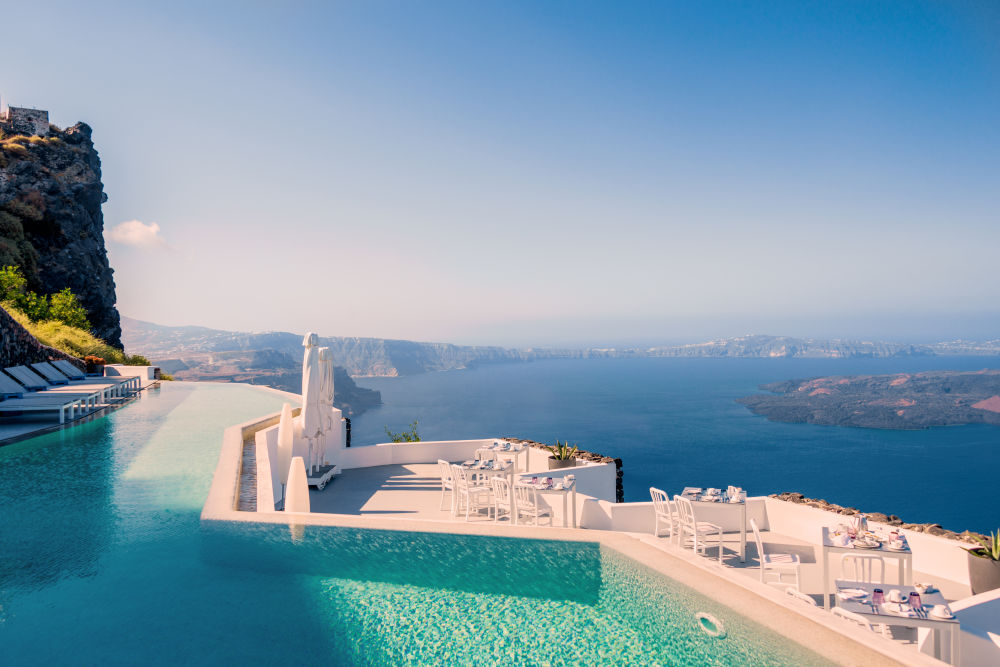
point(9, 388)
point(30, 381)
point(92, 392)
point(53, 372)
point(68, 369)
point(61, 404)
point(49, 373)
point(103, 390)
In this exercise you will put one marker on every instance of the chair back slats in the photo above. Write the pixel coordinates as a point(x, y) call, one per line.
point(685, 512)
point(852, 617)
point(862, 567)
point(799, 595)
point(501, 492)
point(660, 501)
point(757, 539)
point(444, 468)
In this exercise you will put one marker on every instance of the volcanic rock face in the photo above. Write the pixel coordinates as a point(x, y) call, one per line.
point(51, 222)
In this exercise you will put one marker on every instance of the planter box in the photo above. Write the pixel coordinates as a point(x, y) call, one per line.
point(984, 574)
point(556, 464)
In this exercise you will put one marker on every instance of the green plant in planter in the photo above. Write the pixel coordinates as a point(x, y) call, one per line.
point(561, 451)
point(984, 564)
point(991, 547)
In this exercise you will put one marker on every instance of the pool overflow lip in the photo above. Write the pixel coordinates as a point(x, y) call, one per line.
point(764, 606)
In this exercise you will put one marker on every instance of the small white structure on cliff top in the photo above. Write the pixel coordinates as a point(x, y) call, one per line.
point(21, 120)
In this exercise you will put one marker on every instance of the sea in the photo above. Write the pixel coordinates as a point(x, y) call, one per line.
point(676, 423)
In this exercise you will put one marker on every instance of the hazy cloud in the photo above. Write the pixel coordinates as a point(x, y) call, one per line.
point(137, 233)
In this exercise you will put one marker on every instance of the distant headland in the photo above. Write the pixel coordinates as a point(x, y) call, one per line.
point(900, 401)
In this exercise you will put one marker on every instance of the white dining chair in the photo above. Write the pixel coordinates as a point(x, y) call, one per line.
point(852, 617)
point(799, 595)
point(865, 568)
point(502, 498)
point(474, 496)
point(699, 531)
point(447, 482)
point(665, 512)
point(529, 504)
point(778, 564)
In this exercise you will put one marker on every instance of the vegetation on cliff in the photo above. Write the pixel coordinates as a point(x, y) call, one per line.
point(51, 224)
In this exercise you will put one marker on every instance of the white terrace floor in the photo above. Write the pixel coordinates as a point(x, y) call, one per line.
point(413, 491)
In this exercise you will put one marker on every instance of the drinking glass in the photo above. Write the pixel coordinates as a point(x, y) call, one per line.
point(878, 597)
point(915, 602)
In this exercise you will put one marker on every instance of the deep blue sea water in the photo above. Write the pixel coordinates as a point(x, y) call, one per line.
point(675, 423)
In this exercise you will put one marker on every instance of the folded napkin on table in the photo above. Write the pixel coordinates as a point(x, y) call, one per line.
point(851, 593)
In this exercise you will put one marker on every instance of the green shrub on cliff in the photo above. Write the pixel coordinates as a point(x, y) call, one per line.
point(70, 340)
point(65, 307)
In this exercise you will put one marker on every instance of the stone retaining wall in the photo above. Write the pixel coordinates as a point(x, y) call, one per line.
point(586, 456)
point(889, 519)
point(18, 347)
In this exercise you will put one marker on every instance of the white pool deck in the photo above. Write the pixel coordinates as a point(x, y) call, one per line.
point(413, 491)
point(404, 493)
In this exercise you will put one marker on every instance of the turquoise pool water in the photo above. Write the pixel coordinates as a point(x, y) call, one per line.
point(103, 560)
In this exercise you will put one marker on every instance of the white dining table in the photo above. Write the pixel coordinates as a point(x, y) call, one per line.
point(568, 496)
point(942, 626)
point(904, 556)
point(514, 452)
point(739, 509)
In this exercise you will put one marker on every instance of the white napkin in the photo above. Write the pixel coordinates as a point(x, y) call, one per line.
point(898, 609)
point(851, 594)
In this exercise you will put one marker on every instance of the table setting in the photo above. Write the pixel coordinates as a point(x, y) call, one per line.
point(549, 484)
point(733, 494)
point(857, 536)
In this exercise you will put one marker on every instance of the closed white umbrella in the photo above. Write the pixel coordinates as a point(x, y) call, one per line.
point(297, 495)
point(312, 389)
point(326, 400)
point(286, 437)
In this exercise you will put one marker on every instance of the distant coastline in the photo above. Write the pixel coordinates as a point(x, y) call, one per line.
point(194, 352)
point(899, 401)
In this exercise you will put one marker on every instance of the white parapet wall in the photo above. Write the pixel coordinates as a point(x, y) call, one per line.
point(639, 517)
point(146, 373)
point(930, 552)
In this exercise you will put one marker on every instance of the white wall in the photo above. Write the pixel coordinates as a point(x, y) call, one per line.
point(937, 556)
point(266, 492)
point(121, 370)
point(979, 615)
point(639, 517)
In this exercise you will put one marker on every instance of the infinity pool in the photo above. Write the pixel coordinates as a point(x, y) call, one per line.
point(103, 559)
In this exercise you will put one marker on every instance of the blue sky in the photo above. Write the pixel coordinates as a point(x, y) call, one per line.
point(538, 173)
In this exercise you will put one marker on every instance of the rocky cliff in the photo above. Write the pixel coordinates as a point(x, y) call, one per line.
point(51, 222)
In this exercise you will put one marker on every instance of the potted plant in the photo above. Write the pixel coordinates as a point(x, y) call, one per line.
point(563, 455)
point(95, 365)
point(984, 564)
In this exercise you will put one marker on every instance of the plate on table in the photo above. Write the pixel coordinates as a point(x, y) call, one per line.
point(892, 548)
point(933, 612)
point(865, 544)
